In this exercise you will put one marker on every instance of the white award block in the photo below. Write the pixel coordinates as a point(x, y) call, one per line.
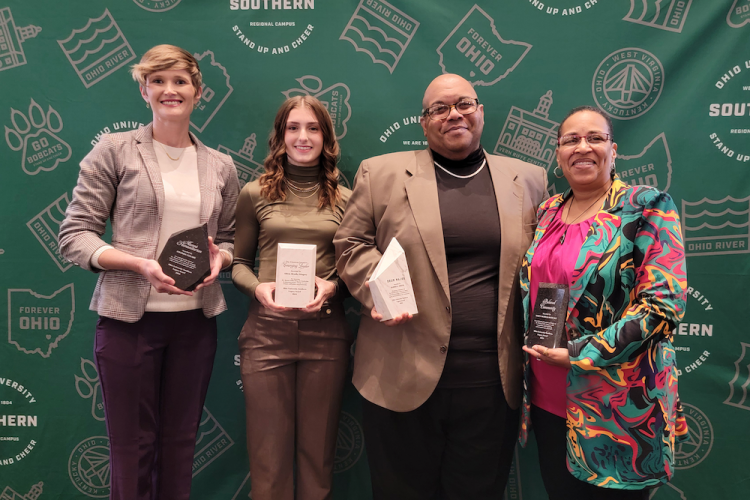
point(390, 284)
point(295, 274)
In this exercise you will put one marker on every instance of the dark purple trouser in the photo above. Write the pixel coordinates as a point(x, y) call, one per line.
point(154, 376)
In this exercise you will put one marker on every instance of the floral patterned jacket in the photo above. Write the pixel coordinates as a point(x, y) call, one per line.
point(628, 294)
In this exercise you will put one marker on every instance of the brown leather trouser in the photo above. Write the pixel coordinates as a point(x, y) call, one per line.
point(293, 366)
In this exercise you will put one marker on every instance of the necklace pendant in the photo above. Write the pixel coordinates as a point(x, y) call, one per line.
point(562, 238)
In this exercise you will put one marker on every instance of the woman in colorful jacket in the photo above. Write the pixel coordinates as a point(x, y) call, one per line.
point(604, 407)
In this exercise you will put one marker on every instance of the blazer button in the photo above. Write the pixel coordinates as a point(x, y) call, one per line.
point(328, 311)
point(443, 349)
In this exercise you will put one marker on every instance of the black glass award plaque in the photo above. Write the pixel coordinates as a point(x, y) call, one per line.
point(547, 327)
point(185, 258)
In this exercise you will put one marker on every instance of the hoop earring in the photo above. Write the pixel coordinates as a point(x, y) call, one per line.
point(612, 172)
point(560, 175)
point(197, 103)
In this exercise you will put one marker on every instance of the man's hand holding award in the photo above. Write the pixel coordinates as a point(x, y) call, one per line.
point(390, 284)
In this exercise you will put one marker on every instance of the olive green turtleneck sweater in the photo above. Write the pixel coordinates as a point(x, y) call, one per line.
point(263, 224)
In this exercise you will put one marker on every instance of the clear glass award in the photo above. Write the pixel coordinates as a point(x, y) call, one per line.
point(390, 284)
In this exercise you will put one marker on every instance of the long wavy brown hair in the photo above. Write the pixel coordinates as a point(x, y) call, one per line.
point(273, 182)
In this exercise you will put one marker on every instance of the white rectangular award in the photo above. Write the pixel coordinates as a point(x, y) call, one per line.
point(390, 284)
point(295, 274)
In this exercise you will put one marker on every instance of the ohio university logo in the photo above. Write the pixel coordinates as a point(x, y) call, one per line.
point(35, 135)
point(19, 421)
point(157, 5)
point(729, 112)
point(628, 83)
point(97, 50)
point(380, 30)
point(37, 323)
point(476, 51)
point(11, 38)
point(690, 453)
point(694, 336)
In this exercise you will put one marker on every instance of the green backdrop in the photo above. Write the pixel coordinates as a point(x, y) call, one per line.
point(675, 76)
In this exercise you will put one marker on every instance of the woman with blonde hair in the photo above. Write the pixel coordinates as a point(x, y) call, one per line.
point(155, 343)
point(293, 361)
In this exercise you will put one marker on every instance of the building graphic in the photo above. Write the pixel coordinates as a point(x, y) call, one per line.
point(34, 493)
point(667, 15)
point(247, 168)
point(716, 227)
point(11, 38)
point(530, 135)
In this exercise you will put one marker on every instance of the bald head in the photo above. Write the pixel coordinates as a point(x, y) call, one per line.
point(455, 136)
point(448, 80)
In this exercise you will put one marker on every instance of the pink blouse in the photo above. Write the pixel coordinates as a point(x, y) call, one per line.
point(554, 263)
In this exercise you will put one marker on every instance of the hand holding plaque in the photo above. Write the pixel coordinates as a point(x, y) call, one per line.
point(186, 258)
point(295, 275)
point(547, 326)
point(390, 284)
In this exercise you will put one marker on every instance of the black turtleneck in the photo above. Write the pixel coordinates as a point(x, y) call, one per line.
point(471, 234)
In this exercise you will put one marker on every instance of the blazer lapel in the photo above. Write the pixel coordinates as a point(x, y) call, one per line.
point(421, 191)
point(206, 180)
point(602, 232)
point(145, 140)
point(550, 209)
point(509, 196)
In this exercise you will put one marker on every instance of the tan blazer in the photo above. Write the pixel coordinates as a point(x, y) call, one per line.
point(120, 180)
point(395, 195)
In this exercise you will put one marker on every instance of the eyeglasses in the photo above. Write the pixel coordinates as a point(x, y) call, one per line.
point(465, 106)
point(593, 139)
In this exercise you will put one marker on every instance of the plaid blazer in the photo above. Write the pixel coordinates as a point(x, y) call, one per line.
point(628, 294)
point(120, 180)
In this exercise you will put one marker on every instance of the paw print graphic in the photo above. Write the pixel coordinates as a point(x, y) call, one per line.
point(88, 387)
point(35, 135)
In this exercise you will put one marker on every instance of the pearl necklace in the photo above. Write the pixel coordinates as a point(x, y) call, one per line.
point(484, 162)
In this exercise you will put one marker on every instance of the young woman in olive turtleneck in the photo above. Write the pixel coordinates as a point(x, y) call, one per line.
point(293, 361)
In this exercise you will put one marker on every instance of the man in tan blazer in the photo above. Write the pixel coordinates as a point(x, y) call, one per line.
point(442, 388)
